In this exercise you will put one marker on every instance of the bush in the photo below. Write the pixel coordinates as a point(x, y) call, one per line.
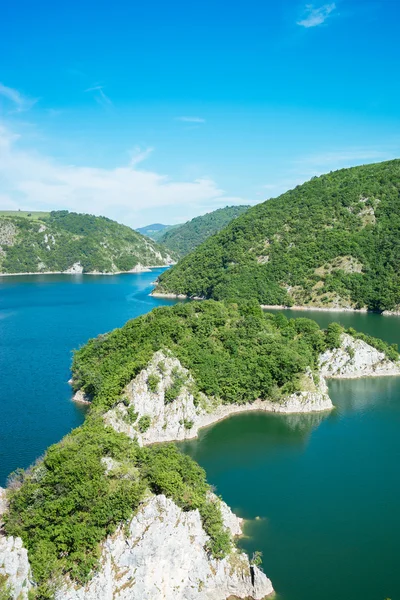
point(332, 335)
point(187, 423)
point(131, 415)
point(152, 382)
point(171, 393)
point(144, 423)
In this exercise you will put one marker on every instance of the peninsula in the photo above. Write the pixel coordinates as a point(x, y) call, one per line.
point(98, 514)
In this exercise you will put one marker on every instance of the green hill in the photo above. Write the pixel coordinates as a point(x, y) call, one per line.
point(332, 242)
point(60, 241)
point(184, 238)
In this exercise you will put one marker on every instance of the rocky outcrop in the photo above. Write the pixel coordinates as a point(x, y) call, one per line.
point(14, 564)
point(182, 417)
point(355, 358)
point(75, 269)
point(163, 557)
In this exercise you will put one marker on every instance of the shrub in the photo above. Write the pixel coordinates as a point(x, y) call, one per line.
point(152, 382)
point(171, 393)
point(131, 415)
point(144, 423)
point(187, 423)
point(332, 335)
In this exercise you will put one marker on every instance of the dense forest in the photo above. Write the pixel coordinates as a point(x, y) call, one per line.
point(184, 238)
point(333, 241)
point(36, 243)
point(235, 352)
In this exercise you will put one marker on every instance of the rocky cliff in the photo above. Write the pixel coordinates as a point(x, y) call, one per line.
point(355, 358)
point(162, 557)
point(191, 410)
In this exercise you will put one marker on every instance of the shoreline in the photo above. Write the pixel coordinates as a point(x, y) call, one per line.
point(143, 269)
point(385, 313)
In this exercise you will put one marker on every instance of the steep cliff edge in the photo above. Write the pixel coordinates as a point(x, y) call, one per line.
point(146, 400)
point(163, 557)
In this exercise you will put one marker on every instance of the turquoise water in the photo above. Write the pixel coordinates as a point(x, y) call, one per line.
point(42, 319)
point(319, 493)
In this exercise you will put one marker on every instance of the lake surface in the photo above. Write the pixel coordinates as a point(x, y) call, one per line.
point(319, 493)
point(42, 319)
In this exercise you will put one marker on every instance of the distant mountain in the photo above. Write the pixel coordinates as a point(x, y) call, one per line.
point(182, 239)
point(65, 241)
point(331, 242)
point(154, 228)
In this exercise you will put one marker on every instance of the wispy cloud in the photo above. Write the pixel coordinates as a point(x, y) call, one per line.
point(99, 95)
point(316, 16)
point(32, 180)
point(18, 100)
point(138, 155)
point(191, 119)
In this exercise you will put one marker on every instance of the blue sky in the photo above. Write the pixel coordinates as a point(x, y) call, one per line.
point(160, 111)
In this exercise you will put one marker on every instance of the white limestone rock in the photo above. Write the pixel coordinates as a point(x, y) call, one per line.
point(75, 269)
point(182, 418)
point(14, 564)
point(177, 420)
point(163, 558)
point(355, 358)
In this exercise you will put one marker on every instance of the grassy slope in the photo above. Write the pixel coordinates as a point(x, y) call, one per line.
point(55, 241)
point(184, 238)
point(333, 241)
point(29, 214)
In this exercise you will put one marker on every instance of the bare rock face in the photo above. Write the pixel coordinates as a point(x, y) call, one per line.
point(163, 558)
point(182, 417)
point(75, 269)
point(355, 358)
point(14, 564)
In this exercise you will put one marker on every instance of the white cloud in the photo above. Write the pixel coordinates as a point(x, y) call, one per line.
point(18, 100)
point(32, 181)
point(191, 119)
point(316, 16)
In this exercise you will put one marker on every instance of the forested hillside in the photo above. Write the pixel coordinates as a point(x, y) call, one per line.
point(62, 240)
point(236, 353)
point(184, 238)
point(332, 242)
